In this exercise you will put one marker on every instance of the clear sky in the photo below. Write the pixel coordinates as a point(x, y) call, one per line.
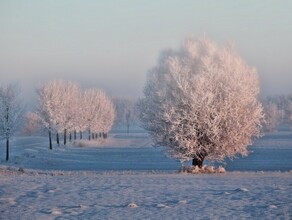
point(111, 44)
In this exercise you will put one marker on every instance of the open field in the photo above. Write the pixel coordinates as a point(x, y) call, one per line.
point(102, 181)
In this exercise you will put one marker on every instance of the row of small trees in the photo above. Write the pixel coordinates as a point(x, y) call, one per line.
point(63, 107)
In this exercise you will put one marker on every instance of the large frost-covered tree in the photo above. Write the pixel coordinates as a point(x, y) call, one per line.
point(11, 111)
point(201, 102)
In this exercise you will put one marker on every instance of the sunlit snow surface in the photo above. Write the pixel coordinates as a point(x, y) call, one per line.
point(126, 178)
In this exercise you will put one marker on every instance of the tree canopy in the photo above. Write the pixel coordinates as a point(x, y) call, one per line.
point(201, 102)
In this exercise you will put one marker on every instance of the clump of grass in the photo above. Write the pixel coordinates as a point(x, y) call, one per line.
point(204, 170)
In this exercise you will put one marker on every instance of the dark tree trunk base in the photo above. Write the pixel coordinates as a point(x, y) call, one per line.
point(70, 137)
point(58, 141)
point(7, 149)
point(50, 140)
point(65, 136)
point(198, 162)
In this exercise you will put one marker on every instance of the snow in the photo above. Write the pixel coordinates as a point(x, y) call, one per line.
point(80, 195)
point(135, 181)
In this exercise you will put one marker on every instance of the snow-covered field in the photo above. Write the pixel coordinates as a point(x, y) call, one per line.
point(157, 196)
point(125, 178)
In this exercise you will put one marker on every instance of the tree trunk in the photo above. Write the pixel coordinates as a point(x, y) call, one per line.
point(199, 159)
point(89, 135)
point(50, 140)
point(65, 136)
point(198, 162)
point(70, 137)
point(80, 135)
point(7, 138)
point(100, 134)
point(58, 141)
point(96, 136)
point(7, 149)
point(128, 116)
point(75, 135)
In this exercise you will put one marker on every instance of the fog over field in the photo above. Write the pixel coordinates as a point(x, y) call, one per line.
point(112, 45)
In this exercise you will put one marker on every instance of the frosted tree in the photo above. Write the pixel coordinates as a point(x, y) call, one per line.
point(79, 119)
point(67, 110)
point(31, 123)
point(288, 110)
point(93, 110)
point(98, 111)
point(11, 111)
point(201, 102)
point(58, 103)
point(126, 112)
point(48, 108)
point(63, 107)
point(107, 114)
point(284, 105)
point(272, 116)
point(57, 110)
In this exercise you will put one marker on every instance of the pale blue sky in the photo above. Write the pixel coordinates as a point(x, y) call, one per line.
point(112, 44)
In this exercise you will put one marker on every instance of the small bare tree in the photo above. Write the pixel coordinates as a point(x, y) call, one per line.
point(201, 102)
point(11, 111)
point(284, 105)
point(272, 116)
point(32, 124)
point(126, 112)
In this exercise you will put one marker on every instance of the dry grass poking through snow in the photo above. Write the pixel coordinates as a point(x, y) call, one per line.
point(204, 170)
